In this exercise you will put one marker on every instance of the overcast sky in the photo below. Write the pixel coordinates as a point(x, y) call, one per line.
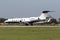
point(28, 8)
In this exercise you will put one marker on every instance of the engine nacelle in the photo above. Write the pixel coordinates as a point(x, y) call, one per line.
point(53, 21)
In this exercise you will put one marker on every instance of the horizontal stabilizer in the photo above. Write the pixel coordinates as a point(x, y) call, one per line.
point(47, 11)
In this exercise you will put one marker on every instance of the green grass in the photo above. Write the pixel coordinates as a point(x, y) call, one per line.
point(30, 33)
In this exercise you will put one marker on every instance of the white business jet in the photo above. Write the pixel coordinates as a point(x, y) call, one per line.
point(43, 18)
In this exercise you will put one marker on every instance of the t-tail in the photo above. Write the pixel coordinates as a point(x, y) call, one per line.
point(45, 15)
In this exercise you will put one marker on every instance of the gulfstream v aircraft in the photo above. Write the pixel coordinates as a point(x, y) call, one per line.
point(43, 18)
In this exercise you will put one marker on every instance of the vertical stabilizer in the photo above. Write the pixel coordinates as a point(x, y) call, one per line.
point(44, 15)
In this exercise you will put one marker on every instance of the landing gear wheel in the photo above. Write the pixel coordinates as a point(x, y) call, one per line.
point(26, 24)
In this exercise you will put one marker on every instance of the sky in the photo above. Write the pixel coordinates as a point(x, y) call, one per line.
point(28, 8)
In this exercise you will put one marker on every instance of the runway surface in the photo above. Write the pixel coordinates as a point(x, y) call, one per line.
point(29, 26)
